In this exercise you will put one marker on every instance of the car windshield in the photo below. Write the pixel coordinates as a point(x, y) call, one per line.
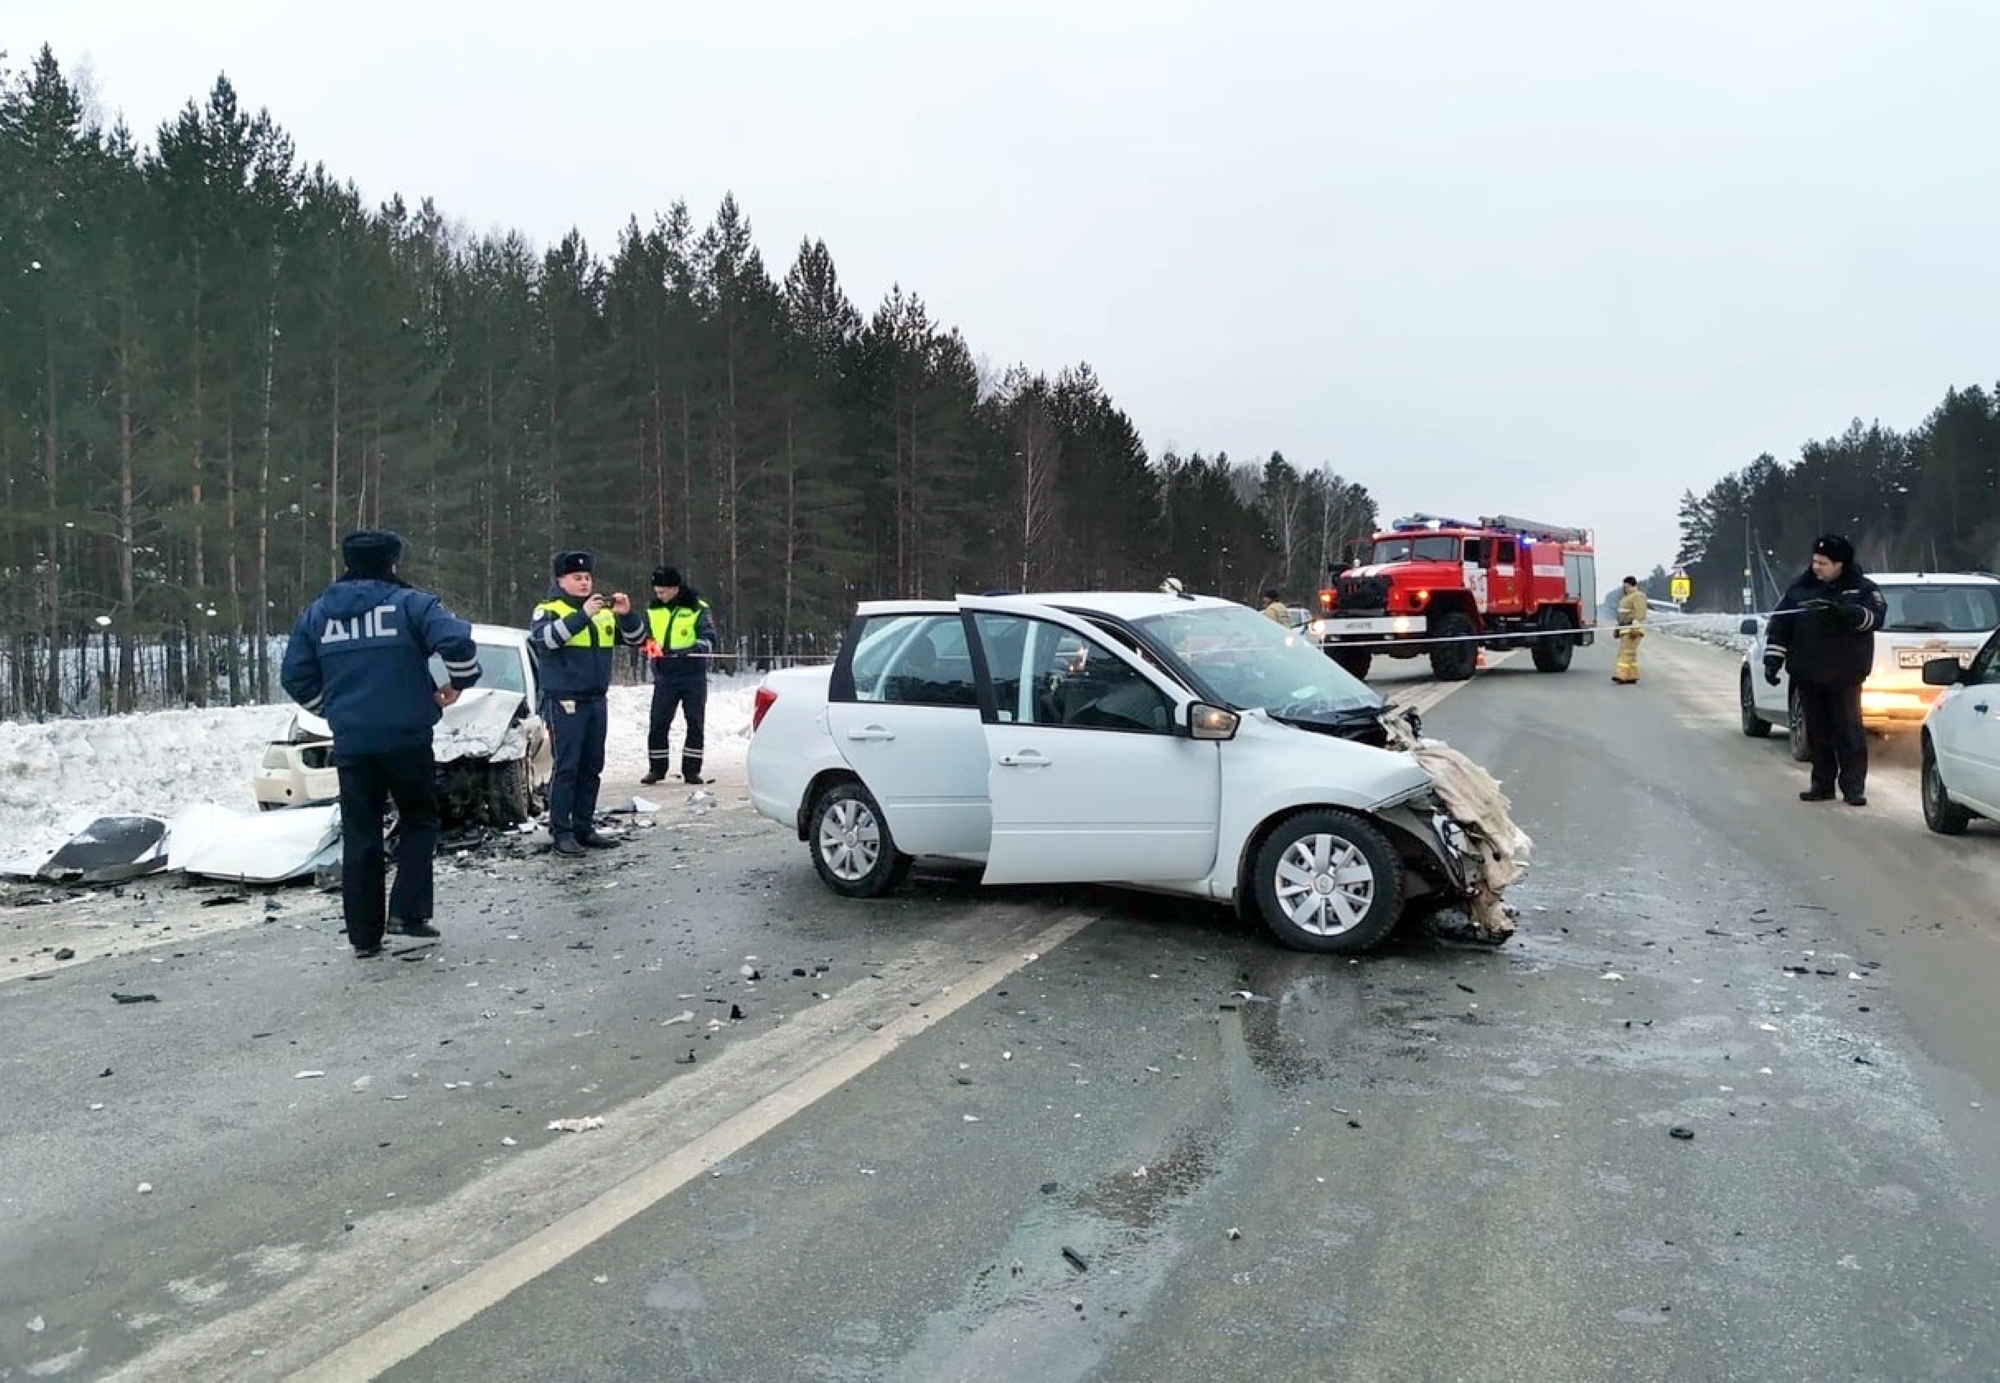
point(499, 668)
point(1244, 660)
point(1430, 548)
point(1941, 609)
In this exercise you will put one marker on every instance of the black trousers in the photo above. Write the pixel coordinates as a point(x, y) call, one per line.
point(576, 739)
point(689, 696)
point(1833, 732)
point(368, 782)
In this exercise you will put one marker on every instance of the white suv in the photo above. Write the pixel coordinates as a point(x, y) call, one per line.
point(1932, 615)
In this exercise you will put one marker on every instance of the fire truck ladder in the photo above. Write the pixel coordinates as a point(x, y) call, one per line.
point(1551, 532)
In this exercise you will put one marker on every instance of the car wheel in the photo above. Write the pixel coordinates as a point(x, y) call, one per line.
point(1552, 652)
point(1453, 662)
point(1328, 881)
point(1354, 664)
point(1754, 725)
point(851, 845)
point(508, 799)
point(1941, 814)
point(1795, 716)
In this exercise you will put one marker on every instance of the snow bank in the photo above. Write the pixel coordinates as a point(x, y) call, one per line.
point(1719, 630)
point(56, 775)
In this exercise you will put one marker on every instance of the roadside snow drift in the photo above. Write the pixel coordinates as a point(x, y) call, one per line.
point(57, 775)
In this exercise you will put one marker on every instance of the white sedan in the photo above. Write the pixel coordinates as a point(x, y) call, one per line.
point(1961, 741)
point(1173, 742)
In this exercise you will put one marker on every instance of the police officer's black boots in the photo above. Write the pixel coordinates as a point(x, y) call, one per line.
point(568, 845)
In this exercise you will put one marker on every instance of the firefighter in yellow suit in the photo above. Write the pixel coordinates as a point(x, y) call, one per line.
point(1631, 629)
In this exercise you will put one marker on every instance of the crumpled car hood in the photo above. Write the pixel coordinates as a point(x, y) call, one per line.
point(479, 725)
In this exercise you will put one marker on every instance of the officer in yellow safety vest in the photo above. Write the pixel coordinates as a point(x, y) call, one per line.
point(574, 634)
point(680, 635)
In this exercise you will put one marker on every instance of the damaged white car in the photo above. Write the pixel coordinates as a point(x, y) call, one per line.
point(1165, 741)
point(492, 750)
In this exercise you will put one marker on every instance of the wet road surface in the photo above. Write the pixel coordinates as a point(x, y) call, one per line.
point(1161, 1148)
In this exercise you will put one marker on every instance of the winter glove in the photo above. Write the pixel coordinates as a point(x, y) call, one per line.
point(1772, 664)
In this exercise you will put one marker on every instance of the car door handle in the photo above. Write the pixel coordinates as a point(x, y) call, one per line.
point(1027, 758)
point(872, 732)
point(1981, 708)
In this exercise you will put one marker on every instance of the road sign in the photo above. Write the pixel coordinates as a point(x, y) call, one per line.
point(1680, 588)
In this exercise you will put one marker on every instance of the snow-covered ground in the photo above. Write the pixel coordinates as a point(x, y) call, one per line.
point(55, 776)
point(1719, 630)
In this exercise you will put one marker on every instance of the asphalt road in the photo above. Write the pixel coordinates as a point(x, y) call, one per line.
point(1044, 1134)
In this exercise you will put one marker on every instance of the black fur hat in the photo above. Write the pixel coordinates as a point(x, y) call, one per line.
point(567, 562)
point(371, 552)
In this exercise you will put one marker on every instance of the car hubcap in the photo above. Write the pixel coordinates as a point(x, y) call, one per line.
point(849, 840)
point(1325, 884)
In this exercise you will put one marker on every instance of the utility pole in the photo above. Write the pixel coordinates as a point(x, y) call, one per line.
point(1748, 590)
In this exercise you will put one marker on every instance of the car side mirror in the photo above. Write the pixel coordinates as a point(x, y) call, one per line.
point(1749, 626)
point(1943, 672)
point(1206, 722)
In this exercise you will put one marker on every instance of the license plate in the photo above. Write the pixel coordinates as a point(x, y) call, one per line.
point(1917, 657)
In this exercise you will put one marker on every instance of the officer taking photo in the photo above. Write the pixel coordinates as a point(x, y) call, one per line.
point(574, 634)
point(360, 657)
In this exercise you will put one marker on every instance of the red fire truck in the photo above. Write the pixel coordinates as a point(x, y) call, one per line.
point(1449, 587)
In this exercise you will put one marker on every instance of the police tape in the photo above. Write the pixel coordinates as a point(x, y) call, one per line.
point(1504, 639)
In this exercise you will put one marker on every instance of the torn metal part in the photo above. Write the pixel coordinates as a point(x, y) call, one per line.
point(1494, 851)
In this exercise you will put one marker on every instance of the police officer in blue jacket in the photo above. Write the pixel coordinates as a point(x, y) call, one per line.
point(574, 634)
point(360, 658)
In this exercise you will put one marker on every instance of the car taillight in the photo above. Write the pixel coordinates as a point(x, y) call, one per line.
point(765, 699)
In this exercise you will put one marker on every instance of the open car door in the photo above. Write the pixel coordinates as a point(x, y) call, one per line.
point(1090, 776)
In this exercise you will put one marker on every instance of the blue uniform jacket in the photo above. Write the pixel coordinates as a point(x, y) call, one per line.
point(573, 655)
point(360, 657)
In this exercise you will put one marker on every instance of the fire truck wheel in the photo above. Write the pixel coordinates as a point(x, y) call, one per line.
point(1453, 662)
point(1552, 652)
point(1354, 665)
point(1328, 881)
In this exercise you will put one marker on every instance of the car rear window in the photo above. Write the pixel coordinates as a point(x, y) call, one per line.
point(1941, 609)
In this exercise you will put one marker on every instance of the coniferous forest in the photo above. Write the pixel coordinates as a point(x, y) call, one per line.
point(215, 360)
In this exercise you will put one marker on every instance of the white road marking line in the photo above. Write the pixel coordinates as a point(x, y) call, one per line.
point(451, 1306)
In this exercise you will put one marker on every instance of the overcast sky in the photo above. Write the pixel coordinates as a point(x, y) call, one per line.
point(1559, 258)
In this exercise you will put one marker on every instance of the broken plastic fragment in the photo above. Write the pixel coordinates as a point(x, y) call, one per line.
point(575, 1125)
point(308, 1075)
